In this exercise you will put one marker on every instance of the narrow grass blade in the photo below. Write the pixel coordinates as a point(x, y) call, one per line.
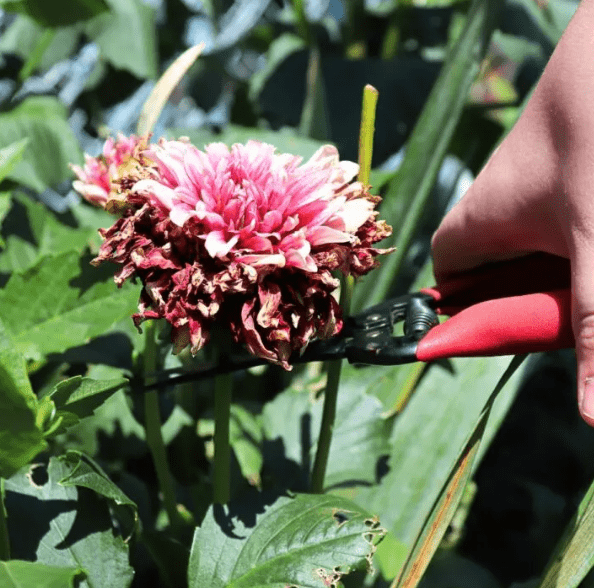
point(574, 556)
point(164, 87)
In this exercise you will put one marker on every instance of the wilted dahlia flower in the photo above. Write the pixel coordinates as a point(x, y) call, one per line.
point(243, 237)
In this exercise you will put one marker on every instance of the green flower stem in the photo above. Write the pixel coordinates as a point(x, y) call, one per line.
point(222, 448)
point(326, 428)
point(152, 424)
point(370, 95)
point(4, 541)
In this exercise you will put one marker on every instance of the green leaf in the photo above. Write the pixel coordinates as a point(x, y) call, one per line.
point(50, 236)
point(283, 46)
point(24, 37)
point(286, 140)
point(67, 527)
point(574, 556)
point(87, 473)
point(245, 434)
point(304, 541)
point(360, 431)
point(127, 37)
point(408, 192)
point(57, 305)
point(83, 395)
point(57, 12)
point(28, 574)
point(10, 156)
point(20, 437)
point(52, 145)
point(74, 399)
point(5, 202)
point(428, 435)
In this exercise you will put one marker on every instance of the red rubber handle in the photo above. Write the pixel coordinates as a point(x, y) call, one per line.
point(505, 326)
point(538, 272)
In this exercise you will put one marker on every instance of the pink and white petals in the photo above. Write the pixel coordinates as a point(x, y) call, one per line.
point(242, 237)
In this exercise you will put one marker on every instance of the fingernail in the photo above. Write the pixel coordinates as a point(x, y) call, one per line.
point(587, 404)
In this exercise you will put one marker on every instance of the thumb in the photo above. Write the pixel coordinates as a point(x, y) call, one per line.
point(582, 266)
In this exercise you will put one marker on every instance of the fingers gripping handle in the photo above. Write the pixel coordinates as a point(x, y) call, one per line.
point(505, 326)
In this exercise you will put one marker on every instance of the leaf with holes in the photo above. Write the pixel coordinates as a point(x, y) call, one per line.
point(308, 541)
point(66, 526)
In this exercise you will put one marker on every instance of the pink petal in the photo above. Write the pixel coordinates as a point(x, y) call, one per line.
point(324, 235)
point(256, 260)
point(217, 246)
point(158, 192)
point(355, 213)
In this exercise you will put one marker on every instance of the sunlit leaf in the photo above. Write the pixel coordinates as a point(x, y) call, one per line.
point(238, 21)
point(127, 36)
point(308, 540)
point(58, 304)
point(73, 399)
point(48, 235)
point(29, 574)
point(10, 156)
point(24, 36)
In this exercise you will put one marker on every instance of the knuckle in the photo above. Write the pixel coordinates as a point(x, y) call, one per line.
point(585, 332)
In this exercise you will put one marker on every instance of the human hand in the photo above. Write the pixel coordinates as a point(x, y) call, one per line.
point(536, 193)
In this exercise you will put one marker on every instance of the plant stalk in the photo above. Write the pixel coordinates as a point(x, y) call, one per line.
point(370, 95)
point(4, 540)
point(152, 425)
point(222, 448)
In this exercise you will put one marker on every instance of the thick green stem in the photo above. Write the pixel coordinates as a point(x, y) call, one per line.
point(222, 453)
point(326, 428)
point(4, 541)
point(152, 425)
point(330, 401)
point(370, 96)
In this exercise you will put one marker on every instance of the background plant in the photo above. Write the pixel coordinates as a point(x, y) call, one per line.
point(75, 463)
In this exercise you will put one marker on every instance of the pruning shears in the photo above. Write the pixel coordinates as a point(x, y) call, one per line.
point(511, 307)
